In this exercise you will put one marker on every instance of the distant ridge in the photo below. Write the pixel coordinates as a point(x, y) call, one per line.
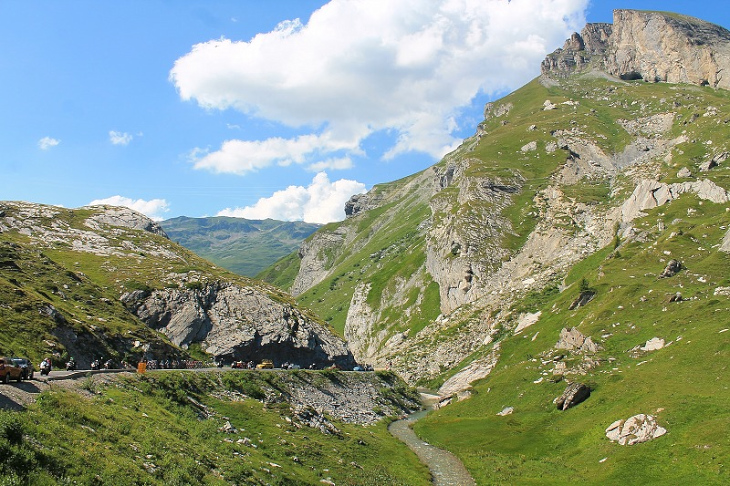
point(243, 246)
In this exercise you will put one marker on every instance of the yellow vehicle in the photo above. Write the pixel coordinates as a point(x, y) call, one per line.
point(265, 364)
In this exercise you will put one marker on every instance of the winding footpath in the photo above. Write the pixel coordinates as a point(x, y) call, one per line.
point(446, 469)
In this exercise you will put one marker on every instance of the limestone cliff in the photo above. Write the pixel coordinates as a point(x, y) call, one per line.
point(238, 323)
point(653, 46)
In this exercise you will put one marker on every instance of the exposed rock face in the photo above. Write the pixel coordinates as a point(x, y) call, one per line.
point(125, 218)
point(477, 370)
point(574, 394)
point(235, 323)
point(653, 46)
point(665, 47)
point(651, 194)
point(635, 430)
point(578, 51)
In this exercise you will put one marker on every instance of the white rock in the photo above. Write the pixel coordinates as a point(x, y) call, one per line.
point(653, 344)
point(637, 429)
point(506, 411)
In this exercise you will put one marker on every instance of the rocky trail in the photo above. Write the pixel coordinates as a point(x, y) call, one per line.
point(446, 469)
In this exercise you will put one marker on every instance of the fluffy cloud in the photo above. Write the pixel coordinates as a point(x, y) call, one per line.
point(152, 208)
point(119, 138)
point(361, 66)
point(47, 142)
point(240, 157)
point(320, 202)
point(332, 164)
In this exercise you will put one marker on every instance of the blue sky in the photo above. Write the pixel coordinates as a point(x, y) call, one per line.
point(279, 109)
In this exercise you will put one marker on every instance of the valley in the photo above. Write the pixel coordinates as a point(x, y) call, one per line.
point(559, 281)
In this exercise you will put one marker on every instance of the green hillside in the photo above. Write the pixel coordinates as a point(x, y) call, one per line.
point(684, 384)
point(180, 428)
point(61, 283)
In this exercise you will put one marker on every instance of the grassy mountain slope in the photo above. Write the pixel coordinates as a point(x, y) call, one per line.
point(243, 246)
point(384, 246)
point(607, 137)
point(61, 281)
point(168, 428)
point(685, 384)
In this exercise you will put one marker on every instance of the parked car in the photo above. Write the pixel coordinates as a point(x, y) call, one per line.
point(265, 364)
point(27, 366)
point(10, 371)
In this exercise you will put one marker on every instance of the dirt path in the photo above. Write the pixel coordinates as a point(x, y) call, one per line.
point(446, 468)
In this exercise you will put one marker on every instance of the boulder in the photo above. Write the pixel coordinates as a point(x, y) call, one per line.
point(653, 344)
point(635, 430)
point(506, 411)
point(573, 340)
point(574, 394)
point(584, 297)
point(672, 268)
point(684, 173)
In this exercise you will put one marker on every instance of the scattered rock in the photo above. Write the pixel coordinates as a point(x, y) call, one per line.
point(672, 268)
point(506, 411)
point(572, 339)
point(228, 428)
point(675, 298)
point(526, 320)
point(724, 291)
point(706, 166)
point(637, 429)
point(574, 394)
point(530, 147)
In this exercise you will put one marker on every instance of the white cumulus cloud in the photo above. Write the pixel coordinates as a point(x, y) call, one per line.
point(362, 66)
point(119, 138)
point(320, 202)
point(47, 142)
point(152, 208)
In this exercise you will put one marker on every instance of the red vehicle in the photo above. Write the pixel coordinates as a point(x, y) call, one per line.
point(10, 371)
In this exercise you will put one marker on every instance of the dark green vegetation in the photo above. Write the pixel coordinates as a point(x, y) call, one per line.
point(167, 428)
point(243, 246)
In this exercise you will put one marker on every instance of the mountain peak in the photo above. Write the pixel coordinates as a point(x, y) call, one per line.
point(648, 45)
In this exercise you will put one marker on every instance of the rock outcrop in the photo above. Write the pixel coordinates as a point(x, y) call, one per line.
point(574, 394)
point(574, 340)
point(124, 218)
point(237, 323)
point(653, 46)
point(635, 430)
